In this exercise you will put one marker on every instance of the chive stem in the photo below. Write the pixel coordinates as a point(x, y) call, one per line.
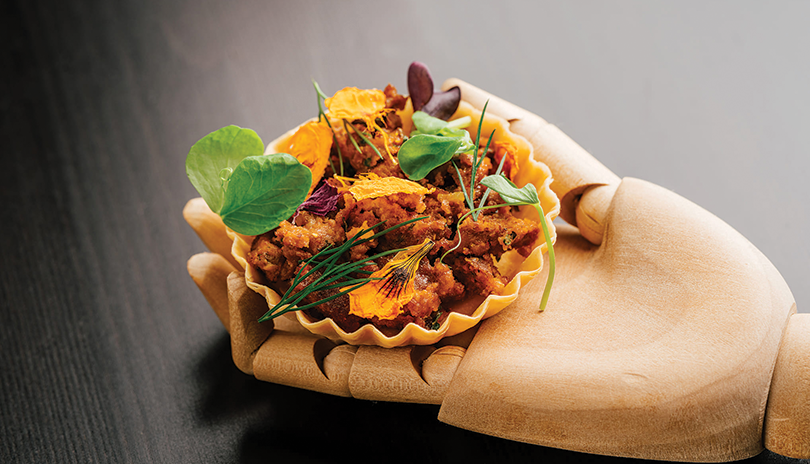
point(322, 113)
point(332, 272)
point(463, 188)
point(349, 136)
point(486, 193)
point(551, 259)
point(367, 141)
point(476, 163)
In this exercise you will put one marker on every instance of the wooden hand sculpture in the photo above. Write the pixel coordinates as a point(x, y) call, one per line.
point(667, 335)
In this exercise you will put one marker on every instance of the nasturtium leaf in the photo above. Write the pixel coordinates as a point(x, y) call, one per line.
point(213, 158)
point(263, 191)
point(443, 105)
point(509, 192)
point(420, 85)
point(423, 153)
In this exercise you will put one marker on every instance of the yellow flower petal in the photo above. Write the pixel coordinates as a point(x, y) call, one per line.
point(391, 287)
point(373, 186)
point(352, 103)
point(311, 145)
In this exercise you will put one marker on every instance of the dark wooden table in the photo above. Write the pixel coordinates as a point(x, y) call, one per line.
point(109, 352)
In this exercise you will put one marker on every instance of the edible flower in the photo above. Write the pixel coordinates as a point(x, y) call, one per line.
point(373, 186)
point(322, 202)
point(390, 288)
point(311, 145)
point(352, 104)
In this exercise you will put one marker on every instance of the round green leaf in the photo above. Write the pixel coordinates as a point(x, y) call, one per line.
point(214, 157)
point(423, 153)
point(263, 191)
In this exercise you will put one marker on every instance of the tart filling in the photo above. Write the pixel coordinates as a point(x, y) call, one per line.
point(498, 253)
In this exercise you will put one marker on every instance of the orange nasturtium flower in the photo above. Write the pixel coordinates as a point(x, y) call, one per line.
point(352, 104)
point(391, 287)
point(372, 186)
point(310, 145)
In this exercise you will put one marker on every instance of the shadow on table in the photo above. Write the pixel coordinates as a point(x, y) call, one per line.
point(284, 424)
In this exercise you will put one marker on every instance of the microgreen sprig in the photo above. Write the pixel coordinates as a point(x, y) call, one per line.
point(432, 143)
point(514, 196)
point(331, 272)
point(435, 142)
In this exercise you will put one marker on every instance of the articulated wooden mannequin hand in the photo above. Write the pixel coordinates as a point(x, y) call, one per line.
point(667, 334)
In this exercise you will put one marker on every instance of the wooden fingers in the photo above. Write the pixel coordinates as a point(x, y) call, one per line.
point(298, 360)
point(210, 272)
point(289, 355)
point(787, 417)
point(591, 210)
point(577, 174)
point(210, 228)
point(411, 374)
point(440, 367)
point(247, 333)
point(384, 374)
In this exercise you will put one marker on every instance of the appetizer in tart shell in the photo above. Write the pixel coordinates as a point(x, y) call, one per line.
point(472, 308)
point(388, 220)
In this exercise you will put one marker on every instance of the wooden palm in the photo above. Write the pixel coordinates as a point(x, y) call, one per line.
point(667, 335)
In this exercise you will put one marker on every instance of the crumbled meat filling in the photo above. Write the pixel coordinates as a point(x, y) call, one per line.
point(469, 270)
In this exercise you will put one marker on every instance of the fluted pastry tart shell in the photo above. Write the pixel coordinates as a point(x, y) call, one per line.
point(466, 314)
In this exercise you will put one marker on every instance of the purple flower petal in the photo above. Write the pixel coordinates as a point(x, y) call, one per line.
point(322, 201)
point(420, 85)
point(443, 104)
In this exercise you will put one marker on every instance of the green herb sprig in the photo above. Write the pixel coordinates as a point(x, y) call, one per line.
point(514, 196)
point(326, 261)
point(435, 142)
point(429, 125)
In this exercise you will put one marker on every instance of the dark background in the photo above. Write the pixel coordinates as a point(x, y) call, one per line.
point(110, 354)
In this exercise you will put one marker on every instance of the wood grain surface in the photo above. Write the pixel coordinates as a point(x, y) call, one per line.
point(109, 351)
